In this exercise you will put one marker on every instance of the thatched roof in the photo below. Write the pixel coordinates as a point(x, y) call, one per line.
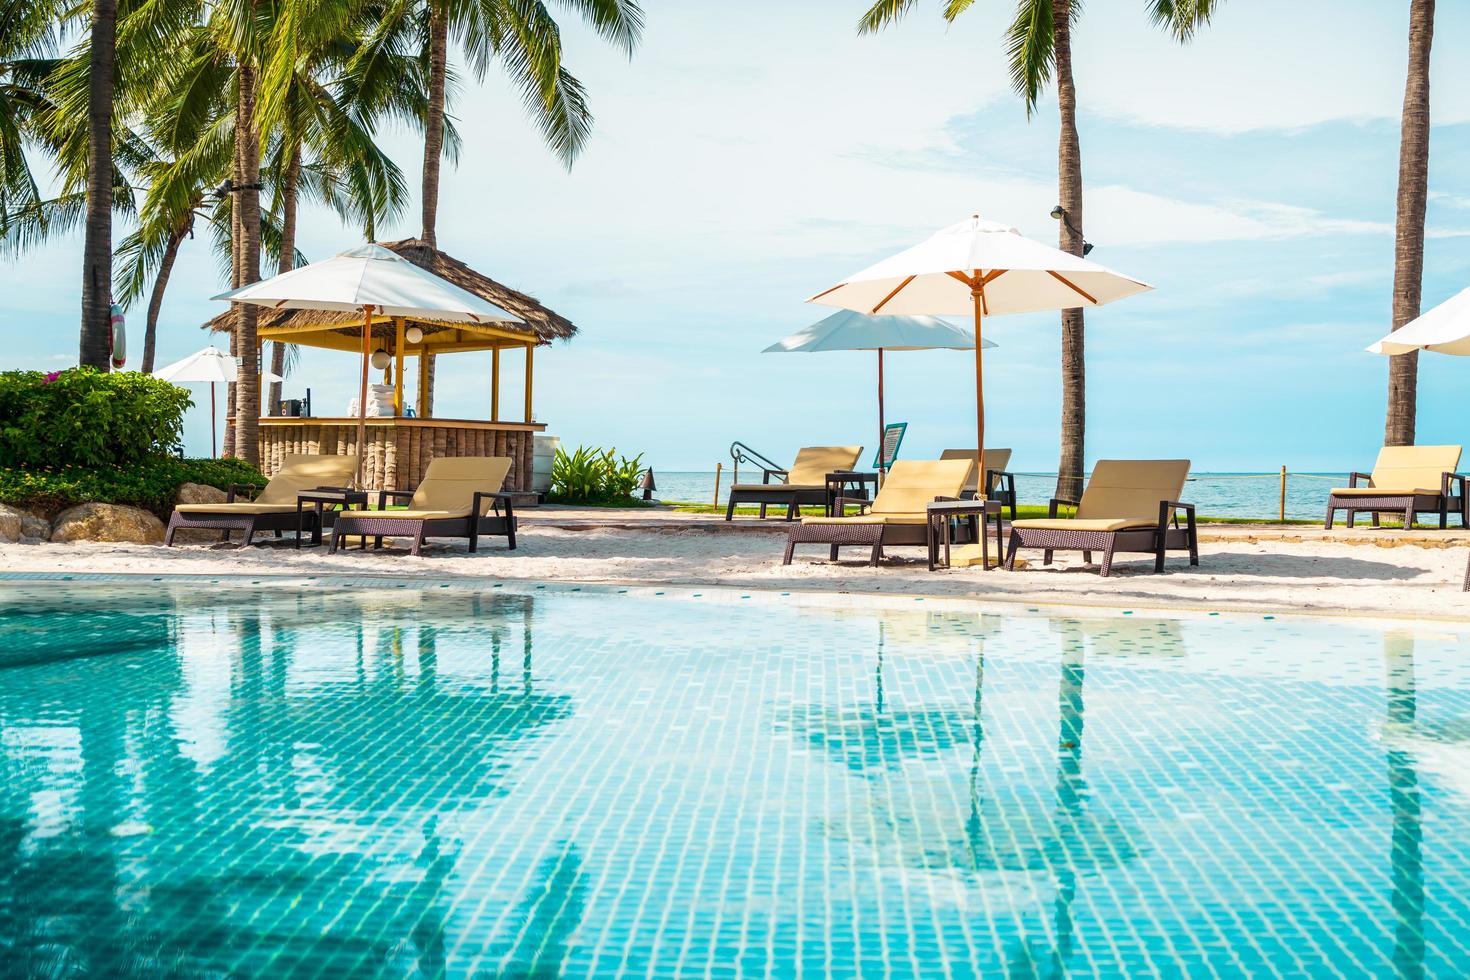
point(548, 325)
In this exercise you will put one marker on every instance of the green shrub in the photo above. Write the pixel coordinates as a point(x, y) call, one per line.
point(594, 476)
point(152, 484)
point(83, 417)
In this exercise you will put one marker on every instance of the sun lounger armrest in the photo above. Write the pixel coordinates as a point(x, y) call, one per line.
point(1057, 502)
point(1447, 483)
point(235, 488)
point(1353, 478)
point(499, 497)
point(994, 477)
point(839, 505)
point(1169, 511)
point(383, 496)
point(767, 474)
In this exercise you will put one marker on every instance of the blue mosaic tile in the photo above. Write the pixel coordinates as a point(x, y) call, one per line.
point(399, 779)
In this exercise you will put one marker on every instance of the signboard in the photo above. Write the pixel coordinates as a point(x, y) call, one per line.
point(892, 438)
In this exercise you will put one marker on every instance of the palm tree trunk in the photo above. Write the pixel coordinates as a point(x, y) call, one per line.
point(286, 264)
point(155, 300)
point(247, 199)
point(97, 244)
point(433, 150)
point(1069, 187)
point(237, 235)
point(1408, 251)
point(434, 117)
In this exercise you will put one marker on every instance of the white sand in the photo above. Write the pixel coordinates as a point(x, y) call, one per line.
point(1241, 573)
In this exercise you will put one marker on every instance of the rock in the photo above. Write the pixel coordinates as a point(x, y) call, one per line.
point(107, 522)
point(10, 523)
point(199, 493)
point(33, 528)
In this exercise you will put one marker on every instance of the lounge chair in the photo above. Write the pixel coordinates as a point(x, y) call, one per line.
point(1000, 485)
point(275, 508)
point(1130, 505)
point(804, 483)
point(1407, 480)
point(450, 502)
point(898, 515)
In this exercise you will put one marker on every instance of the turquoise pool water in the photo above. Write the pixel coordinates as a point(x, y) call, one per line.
point(199, 779)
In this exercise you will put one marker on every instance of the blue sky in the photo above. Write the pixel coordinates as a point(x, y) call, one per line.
point(753, 154)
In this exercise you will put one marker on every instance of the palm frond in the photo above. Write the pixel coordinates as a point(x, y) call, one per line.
point(1031, 49)
point(1182, 18)
point(883, 13)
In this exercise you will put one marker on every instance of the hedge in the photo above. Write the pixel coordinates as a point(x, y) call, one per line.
point(151, 483)
point(83, 417)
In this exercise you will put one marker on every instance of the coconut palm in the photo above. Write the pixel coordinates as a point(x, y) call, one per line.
point(520, 35)
point(1408, 250)
point(27, 41)
point(97, 239)
point(1039, 50)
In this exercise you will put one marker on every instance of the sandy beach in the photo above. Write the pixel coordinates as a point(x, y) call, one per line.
point(1375, 573)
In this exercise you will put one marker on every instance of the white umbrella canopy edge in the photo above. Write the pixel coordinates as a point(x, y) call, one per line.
point(372, 279)
point(982, 268)
point(851, 330)
point(1444, 329)
point(370, 275)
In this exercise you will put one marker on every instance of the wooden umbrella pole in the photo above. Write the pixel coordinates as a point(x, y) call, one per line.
point(882, 428)
point(367, 352)
point(978, 297)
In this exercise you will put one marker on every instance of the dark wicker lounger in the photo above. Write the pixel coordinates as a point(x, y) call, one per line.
point(1402, 482)
point(449, 503)
point(804, 485)
point(898, 515)
point(274, 509)
point(1109, 516)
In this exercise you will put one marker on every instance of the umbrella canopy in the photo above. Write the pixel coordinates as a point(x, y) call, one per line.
point(850, 330)
point(372, 279)
point(370, 276)
point(1444, 329)
point(982, 268)
point(210, 364)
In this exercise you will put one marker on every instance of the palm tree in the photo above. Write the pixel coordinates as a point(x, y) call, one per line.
point(27, 39)
point(97, 241)
point(1408, 249)
point(1039, 49)
point(524, 37)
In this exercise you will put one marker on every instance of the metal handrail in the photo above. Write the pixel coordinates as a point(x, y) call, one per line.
point(741, 453)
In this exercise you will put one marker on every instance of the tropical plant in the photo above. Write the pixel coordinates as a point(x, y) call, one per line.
point(152, 483)
point(594, 476)
point(85, 417)
point(1408, 250)
point(1039, 50)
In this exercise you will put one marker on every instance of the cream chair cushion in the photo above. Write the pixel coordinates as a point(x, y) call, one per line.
point(411, 515)
point(1132, 488)
point(814, 463)
point(912, 484)
point(1076, 524)
point(1410, 469)
point(869, 519)
point(450, 482)
point(301, 471)
point(242, 507)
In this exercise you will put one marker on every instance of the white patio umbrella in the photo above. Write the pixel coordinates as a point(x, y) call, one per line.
point(212, 365)
point(376, 281)
point(1445, 329)
point(849, 330)
point(982, 268)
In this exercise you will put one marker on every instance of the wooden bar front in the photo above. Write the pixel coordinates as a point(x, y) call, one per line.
point(399, 449)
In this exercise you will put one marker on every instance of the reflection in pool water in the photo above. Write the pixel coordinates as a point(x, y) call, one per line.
point(427, 782)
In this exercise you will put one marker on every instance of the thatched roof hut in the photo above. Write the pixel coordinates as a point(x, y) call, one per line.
point(546, 324)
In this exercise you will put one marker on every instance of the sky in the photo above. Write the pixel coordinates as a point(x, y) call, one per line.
point(750, 155)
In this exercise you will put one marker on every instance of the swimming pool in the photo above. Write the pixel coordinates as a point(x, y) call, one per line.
point(408, 780)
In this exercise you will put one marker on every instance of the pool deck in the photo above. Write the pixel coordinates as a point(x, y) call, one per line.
point(1244, 568)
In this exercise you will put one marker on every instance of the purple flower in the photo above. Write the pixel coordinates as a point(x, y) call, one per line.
point(51, 376)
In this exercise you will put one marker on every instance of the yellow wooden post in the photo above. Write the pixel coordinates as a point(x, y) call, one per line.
point(495, 385)
point(423, 383)
point(398, 366)
point(530, 357)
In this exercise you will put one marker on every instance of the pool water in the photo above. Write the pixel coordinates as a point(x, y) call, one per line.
point(200, 779)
